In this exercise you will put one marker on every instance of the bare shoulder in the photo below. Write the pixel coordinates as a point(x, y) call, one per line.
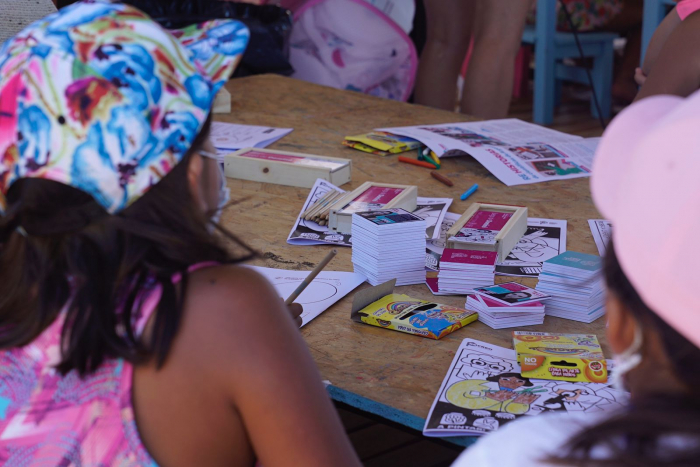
point(235, 292)
point(233, 310)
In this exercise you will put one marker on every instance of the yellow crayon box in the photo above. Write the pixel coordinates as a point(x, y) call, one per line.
point(382, 142)
point(378, 306)
point(562, 357)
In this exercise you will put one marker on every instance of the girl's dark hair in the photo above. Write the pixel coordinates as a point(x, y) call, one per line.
point(60, 249)
point(658, 430)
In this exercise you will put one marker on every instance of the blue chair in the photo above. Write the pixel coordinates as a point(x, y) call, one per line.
point(551, 47)
point(654, 12)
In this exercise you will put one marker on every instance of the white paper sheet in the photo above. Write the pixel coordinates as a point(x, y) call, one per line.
point(325, 290)
point(471, 401)
point(435, 247)
point(602, 232)
point(544, 239)
point(229, 137)
point(514, 151)
point(310, 233)
point(433, 210)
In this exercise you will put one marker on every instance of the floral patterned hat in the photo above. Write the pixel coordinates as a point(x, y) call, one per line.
point(100, 97)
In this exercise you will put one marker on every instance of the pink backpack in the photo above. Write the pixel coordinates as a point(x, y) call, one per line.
point(350, 44)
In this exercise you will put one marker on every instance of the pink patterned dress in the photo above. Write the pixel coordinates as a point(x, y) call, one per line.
point(51, 420)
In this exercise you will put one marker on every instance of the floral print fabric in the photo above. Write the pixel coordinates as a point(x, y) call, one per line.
point(100, 97)
point(47, 419)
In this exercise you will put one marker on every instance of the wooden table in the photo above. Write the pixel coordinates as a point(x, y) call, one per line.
point(384, 372)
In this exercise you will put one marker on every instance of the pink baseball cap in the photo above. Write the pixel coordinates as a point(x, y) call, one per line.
point(646, 181)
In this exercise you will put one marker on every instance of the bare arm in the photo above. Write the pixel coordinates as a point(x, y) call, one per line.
point(677, 68)
point(268, 372)
point(661, 35)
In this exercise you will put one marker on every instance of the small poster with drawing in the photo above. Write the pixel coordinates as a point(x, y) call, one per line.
point(483, 390)
point(544, 239)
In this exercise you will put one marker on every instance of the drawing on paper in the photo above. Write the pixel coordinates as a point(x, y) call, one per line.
point(543, 240)
point(602, 232)
point(322, 293)
point(309, 232)
point(483, 390)
point(317, 292)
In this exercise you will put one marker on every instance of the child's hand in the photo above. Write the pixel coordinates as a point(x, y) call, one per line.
point(639, 76)
point(295, 310)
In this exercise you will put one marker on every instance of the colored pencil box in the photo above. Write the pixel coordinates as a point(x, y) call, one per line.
point(379, 306)
point(286, 168)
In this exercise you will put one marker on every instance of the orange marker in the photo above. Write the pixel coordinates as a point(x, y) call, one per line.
point(408, 160)
point(441, 178)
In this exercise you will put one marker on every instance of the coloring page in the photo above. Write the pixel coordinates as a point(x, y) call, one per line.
point(435, 247)
point(602, 231)
point(483, 390)
point(310, 233)
point(433, 210)
point(543, 240)
point(326, 289)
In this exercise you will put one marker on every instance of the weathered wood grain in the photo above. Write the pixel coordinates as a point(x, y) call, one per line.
point(399, 370)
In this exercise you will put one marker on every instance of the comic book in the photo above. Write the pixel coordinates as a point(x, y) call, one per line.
point(483, 390)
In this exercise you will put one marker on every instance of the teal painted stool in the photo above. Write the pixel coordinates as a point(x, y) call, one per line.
point(551, 47)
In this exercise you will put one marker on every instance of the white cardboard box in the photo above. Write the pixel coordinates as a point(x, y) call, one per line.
point(286, 168)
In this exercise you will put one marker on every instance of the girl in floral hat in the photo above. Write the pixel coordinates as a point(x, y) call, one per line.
point(127, 334)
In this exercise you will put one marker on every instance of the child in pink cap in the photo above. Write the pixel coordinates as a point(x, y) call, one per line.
point(129, 335)
point(645, 180)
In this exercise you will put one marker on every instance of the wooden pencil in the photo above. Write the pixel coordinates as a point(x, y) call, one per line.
point(313, 205)
point(321, 204)
point(318, 204)
point(312, 275)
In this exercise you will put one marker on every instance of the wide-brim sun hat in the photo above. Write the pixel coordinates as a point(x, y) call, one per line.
point(100, 97)
point(645, 181)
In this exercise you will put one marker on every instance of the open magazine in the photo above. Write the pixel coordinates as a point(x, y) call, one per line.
point(514, 151)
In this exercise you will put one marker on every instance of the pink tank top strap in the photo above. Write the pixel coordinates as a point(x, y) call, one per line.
point(148, 302)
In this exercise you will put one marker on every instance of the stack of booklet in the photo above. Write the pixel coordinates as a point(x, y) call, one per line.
point(574, 281)
point(389, 244)
point(498, 315)
point(463, 270)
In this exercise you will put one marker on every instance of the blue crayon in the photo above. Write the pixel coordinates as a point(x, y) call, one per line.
point(469, 192)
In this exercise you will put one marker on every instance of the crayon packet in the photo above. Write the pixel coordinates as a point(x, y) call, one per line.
point(379, 306)
point(381, 143)
point(563, 357)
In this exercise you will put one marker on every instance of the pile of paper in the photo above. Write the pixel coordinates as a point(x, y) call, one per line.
point(498, 316)
point(463, 270)
point(389, 244)
point(230, 137)
point(575, 284)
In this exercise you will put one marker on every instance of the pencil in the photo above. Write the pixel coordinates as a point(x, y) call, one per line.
point(325, 210)
point(441, 178)
point(408, 160)
point(321, 204)
point(312, 275)
point(316, 204)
